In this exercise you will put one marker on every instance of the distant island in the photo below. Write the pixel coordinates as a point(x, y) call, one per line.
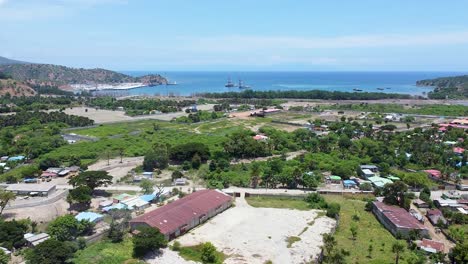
point(455, 87)
point(67, 78)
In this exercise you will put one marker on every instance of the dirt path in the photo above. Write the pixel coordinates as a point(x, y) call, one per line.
point(289, 156)
point(432, 232)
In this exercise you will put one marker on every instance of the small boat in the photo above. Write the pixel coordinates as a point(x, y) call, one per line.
point(171, 83)
point(243, 86)
point(357, 90)
point(388, 88)
point(229, 84)
point(381, 89)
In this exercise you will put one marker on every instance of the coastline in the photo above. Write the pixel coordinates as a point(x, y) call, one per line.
point(106, 87)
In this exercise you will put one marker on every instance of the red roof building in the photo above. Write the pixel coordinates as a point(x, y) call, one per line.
point(176, 218)
point(458, 150)
point(435, 174)
point(397, 220)
point(432, 246)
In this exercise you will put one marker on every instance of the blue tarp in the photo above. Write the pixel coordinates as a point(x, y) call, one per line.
point(349, 182)
point(89, 216)
point(16, 158)
point(148, 197)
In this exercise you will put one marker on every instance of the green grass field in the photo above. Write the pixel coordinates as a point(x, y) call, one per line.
point(278, 202)
point(106, 252)
point(193, 253)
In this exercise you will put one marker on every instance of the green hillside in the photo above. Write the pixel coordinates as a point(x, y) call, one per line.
point(455, 87)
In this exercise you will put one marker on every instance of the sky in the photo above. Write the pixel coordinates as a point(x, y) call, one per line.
point(243, 35)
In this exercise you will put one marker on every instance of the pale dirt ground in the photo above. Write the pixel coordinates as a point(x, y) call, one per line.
point(40, 214)
point(108, 116)
point(167, 257)
point(289, 156)
point(115, 168)
point(255, 235)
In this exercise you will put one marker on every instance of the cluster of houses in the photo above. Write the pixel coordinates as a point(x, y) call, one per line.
point(6, 160)
point(368, 174)
point(50, 173)
point(132, 202)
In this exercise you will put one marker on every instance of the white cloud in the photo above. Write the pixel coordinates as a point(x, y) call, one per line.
point(262, 43)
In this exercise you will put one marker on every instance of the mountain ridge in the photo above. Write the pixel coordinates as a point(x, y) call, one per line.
point(453, 87)
point(63, 76)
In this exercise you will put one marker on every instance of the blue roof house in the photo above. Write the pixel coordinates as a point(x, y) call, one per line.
point(89, 216)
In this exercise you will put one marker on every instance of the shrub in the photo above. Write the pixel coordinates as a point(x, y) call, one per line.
point(333, 210)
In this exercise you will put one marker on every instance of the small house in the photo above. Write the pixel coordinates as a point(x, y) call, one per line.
point(135, 203)
point(260, 138)
point(379, 182)
point(121, 197)
point(180, 181)
point(431, 246)
point(35, 239)
point(348, 184)
point(106, 203)
point(148, 174)
point(435, 216)
point(434, 174)
point(420, 203)
point(334, 179)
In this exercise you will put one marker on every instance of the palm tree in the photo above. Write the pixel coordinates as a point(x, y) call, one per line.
point(398, 247)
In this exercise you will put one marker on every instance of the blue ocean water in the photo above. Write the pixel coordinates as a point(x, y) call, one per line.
point(189, 83)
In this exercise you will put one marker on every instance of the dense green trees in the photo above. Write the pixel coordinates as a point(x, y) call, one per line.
point(147, 240)
point(67, 228)
point(156, 158)
point(140, 107)
point(312, 94)
point(11, 234)
point(395, 193)
point(22, 118)
point(186, 152)
point(50, 251)
point(91, 179)
point(240, 144)
point(81, 196)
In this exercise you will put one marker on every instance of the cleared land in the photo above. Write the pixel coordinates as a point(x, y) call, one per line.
point(116, 168)
point(255, 235)
point(102, 116)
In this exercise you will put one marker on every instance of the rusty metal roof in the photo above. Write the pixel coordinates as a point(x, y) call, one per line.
point(175, 215)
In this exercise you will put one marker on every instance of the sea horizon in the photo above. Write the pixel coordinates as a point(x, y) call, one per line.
point(198, 82)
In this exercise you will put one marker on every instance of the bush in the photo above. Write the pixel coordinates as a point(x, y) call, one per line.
point(333, 210)
point(176, 246)
point(316, 201)
point(148, 239)
point(208, 253)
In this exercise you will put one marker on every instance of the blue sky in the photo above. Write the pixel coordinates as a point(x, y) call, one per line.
point(303, 35)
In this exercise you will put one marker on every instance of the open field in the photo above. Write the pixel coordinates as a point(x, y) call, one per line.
point(115, 168)
point(255, 235)
point(102, 116)
point(106, 252)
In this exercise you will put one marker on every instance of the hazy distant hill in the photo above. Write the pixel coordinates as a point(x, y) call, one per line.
point(447, 87)
point(4, 61)
point(63, 76)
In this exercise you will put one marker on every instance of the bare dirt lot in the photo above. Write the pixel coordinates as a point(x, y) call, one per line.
point(102, 116)
point(115, 168)
point(256, 235)
point(40, 214)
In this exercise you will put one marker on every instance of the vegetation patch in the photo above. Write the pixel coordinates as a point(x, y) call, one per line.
point(200, 252)
point(291, 240)
point(278, 202)
point(106, 252)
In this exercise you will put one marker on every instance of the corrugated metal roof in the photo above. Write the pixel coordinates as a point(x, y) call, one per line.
point(172, 216)
point(399, 216)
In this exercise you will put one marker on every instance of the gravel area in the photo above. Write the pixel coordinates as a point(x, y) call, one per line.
point(256, 235)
